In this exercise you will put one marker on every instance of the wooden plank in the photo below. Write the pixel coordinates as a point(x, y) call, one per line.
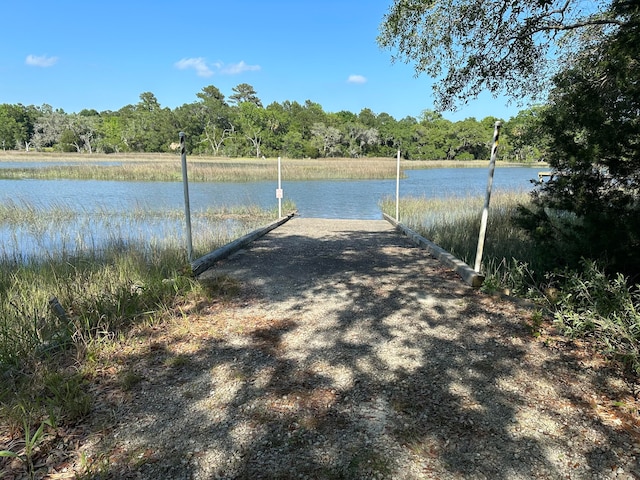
point(205, 262)
point(468, 274)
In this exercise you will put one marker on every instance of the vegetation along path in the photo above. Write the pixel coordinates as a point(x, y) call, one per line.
point(341, 350)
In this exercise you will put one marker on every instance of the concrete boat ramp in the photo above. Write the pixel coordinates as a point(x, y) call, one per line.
point(294, 246)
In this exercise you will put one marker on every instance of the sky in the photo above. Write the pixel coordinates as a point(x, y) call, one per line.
point(102, 55)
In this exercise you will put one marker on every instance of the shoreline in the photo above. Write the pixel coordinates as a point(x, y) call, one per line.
point(33, 156)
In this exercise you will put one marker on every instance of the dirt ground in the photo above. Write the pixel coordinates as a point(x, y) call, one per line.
point(341, 350)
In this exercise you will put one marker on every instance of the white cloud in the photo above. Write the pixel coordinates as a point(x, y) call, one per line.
point(237, 68)
point(356, 79)
point(203, 69)
point(40, 61)
point(198, 64)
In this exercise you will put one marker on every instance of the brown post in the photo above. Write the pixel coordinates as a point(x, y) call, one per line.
point(187, 207)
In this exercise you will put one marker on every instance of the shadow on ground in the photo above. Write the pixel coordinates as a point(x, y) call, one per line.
point(354, 355)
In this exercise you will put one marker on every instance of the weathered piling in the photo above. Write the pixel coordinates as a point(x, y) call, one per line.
point(204, 263)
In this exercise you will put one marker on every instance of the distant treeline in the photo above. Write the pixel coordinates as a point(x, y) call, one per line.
point(241, 126)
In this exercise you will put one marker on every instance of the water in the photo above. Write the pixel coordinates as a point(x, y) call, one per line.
point(349, 199)
point(352, 199)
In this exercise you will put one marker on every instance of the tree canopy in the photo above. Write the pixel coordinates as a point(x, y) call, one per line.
point(584, 57)
point(592, 121)
point(500, 46)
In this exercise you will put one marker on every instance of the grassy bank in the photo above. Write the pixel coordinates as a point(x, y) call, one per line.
point(61, 307)
point(586, 303)
point(454, 224)
point(113, 265)
point(200, 169)
point(167, 167)
point(29, 230)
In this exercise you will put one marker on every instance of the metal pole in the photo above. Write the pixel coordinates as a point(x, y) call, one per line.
point(185, 182)
point(398, 188)
point(485, 210)
point(279, 193)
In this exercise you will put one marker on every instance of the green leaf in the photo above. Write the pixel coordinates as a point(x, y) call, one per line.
point(8, 453)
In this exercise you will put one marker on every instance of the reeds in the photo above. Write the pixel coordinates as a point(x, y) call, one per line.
point(29, 229)
point(454, 224)
point(167, 168)
point(108, 268)
point(72, 281)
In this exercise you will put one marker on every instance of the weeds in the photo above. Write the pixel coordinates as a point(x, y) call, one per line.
point(593, 305)
point(535, 323)
point(49, 349)
point(128, 379)
point(31, 442)
point(586, 303)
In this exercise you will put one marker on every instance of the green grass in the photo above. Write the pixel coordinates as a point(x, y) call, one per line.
point(104, 289)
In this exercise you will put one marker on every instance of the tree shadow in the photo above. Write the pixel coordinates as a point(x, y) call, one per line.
point(355, 355)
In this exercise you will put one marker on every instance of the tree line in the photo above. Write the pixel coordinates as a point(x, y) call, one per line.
point(241, 126)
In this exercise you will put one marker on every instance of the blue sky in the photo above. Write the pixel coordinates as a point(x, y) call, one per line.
point(103, 55)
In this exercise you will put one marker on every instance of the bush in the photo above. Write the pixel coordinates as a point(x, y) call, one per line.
point(590, 304)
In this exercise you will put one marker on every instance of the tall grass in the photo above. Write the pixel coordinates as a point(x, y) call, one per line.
point(585, 303)
point(168, 169)
point(454, 224)
point(103, 284)
point(27, 228)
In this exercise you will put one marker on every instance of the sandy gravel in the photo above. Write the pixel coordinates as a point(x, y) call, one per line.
point(346, 352)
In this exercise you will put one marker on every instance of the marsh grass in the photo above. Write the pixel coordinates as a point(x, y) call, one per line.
point(106, 284)
point(454, 224)
point(167, 168)
point(28, 229)
point(584, 303)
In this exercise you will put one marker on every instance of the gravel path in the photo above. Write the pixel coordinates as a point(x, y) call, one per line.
point(346, 352)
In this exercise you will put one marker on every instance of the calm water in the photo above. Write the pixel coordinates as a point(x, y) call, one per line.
point(356, 199)
point(325, 199)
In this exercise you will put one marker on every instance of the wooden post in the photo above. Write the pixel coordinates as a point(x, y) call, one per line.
point(398, 188)
point(279, 191)
point(58, 309)
point(187, 208)
point(485, 210)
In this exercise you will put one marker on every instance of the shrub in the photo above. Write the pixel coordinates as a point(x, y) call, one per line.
point(590, 304)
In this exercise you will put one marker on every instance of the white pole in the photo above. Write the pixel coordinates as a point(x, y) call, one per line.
point(187, 208)
point(485, 210)
point(279, 192)
point(398, 188)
